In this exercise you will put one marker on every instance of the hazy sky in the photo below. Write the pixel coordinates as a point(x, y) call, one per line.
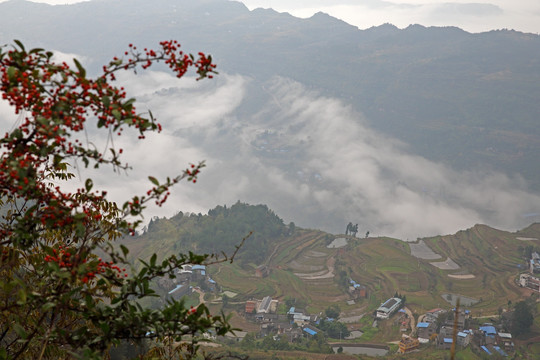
point(470, 15)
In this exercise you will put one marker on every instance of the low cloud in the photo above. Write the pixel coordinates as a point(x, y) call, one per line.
point(310, 158)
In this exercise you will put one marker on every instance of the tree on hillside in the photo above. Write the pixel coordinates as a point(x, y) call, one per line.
point(58, 298)
point(332, 311)
point(522, 319)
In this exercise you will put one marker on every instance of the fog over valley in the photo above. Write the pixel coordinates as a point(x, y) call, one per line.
point(310, 158)
point(409, 133)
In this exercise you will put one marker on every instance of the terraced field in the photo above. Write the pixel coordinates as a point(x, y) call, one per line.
point(481, 263)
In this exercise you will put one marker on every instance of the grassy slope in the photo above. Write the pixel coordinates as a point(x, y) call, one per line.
point(385, 266)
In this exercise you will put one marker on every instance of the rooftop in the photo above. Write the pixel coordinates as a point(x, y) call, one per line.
point(389, 304)
point(489, 330)
point(178, 287)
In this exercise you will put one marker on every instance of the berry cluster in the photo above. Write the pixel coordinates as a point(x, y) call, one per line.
point(55, 102)
point(66, 260)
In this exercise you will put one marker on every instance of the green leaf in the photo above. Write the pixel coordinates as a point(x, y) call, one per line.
point(21, 46)
point(153, 260)
point(22, 296)
point(105, 327)
point(48, 306)
point(106, 101)
point(35, 51)
point(80, 229)
point(153, 180)
point(143, 271)
point(11, 73)
point(101, 123)
point(117, 115)
point(82, 71)
point(88, 184)
point(124, 249)
point(19, 330)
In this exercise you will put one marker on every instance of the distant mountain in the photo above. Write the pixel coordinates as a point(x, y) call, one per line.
point(469, 101)
point(465, 99)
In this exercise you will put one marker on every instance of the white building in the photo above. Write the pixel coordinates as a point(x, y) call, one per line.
point(388, 308)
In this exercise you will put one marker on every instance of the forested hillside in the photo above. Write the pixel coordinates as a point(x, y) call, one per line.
point(220, 231)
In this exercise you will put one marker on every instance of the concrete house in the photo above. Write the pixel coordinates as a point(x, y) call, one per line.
point(424, 331)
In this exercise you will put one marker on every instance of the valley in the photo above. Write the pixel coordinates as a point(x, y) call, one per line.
point(313, 271)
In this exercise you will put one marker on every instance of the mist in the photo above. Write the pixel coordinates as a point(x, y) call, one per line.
point(310, 158)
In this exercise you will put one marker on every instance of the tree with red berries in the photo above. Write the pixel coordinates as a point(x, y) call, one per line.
point(58, 298)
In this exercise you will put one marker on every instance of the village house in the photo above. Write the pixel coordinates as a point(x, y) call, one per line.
point(530, 282)
point(298, 317)
point(462, 316)
point(179, 291)
point(198, 272)
point(489, 332)
point(389, 307)
point(408, 344)
point(424, 331)
point(432, 315)
point(356, 290)
point(251, 306)
point(463, 338)
point(310, 330)
point(505, 340)
point(444, 338)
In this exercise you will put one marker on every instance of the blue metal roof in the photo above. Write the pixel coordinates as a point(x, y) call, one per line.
point(462, 334)
point(310, 331)
point(423, 325)
point(176, 288)
point(500, 351)
point(485, 349)
point(448, 340)
point(198, 267)
point(489, 330)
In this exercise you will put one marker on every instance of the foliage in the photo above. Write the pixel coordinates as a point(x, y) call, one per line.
point(221, 229)
point(58, 297)
point(522, 318)
point(314, 344)
point(332, 311)
point(334, 329)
